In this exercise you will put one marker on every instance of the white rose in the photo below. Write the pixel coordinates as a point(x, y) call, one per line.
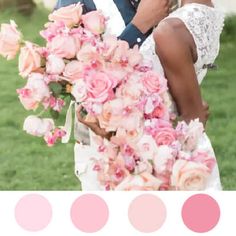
point(55, 65)
point(163, 158)
point(79, 91)
point(38, 86)
point(38, 127)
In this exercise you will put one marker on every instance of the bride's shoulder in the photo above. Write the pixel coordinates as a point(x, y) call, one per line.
point(171, 29)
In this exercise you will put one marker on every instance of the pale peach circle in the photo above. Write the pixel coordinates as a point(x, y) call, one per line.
point(33, 212)
point(147, 213)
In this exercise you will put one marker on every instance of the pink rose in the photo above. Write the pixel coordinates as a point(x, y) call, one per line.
point(99, 87)
point(38, 127)
point(205, 159)
point(26, 97)
point(74, 71)
point(69, 15)
point(165, 136)
point(55, 65)
point(189, 176)
point(154, 83)
point(9, 40)
point(29, 59)
point(35, 91)
point(63, 46)
point(94, 21)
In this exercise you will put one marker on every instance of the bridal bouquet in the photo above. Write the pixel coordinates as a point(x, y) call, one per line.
point(117, 88)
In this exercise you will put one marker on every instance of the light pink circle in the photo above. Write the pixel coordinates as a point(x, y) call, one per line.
point(201, 213)
point(33, 212)
point(147, 213)
point(89, 213)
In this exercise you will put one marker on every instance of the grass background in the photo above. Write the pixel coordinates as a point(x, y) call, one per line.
point(27, 164)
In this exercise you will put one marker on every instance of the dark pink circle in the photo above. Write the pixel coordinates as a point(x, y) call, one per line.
point(33, 212)
point(89, 213)
point(201, 213)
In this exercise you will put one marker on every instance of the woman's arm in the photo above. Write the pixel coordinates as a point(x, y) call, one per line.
point(176, 50)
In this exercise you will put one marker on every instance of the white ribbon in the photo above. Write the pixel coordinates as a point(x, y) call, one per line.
point(68, 123)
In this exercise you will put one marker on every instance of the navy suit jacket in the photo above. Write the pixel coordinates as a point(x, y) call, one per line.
point(131, 33)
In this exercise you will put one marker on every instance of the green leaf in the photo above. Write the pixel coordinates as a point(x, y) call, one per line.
point(56, 88)
point(55, 114)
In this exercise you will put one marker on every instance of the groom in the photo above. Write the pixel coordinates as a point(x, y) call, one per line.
point(139, 16)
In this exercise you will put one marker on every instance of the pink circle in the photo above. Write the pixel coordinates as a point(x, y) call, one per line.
point(33, 212)
point(201, 213)
point(89, 213)
point(147, 213)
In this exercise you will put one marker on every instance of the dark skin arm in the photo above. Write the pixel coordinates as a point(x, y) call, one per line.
point(177, 52)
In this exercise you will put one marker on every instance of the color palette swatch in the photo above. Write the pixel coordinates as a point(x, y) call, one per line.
point(106, 213)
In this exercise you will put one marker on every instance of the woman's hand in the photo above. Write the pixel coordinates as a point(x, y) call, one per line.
point(93, 125)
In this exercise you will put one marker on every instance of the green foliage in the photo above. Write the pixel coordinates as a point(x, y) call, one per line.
point(55, 88)
point(229, 32)
point(26, 163)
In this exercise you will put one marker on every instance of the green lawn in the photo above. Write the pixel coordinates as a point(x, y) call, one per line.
point(27, 164)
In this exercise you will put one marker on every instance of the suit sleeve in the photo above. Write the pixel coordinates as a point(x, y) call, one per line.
point(131, 33)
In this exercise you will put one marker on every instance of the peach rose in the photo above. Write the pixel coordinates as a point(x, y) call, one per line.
point(111, 115)
point(9, 40)
point(154, 83)
point(29, 59)
point(38, 127)
point(94, 21)
point(142, 182)
point(189, 176)
point(69, 15)
point(55, 65)
point(63, 46)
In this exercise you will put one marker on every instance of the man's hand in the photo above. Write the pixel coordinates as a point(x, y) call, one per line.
point(93, 125)
point(150, 13)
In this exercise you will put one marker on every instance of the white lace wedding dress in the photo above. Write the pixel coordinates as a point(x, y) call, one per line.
point(205, 25)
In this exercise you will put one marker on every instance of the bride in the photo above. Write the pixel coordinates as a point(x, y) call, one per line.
point(182, 47)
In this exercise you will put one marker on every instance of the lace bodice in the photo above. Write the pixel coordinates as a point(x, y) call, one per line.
point(205, 24)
